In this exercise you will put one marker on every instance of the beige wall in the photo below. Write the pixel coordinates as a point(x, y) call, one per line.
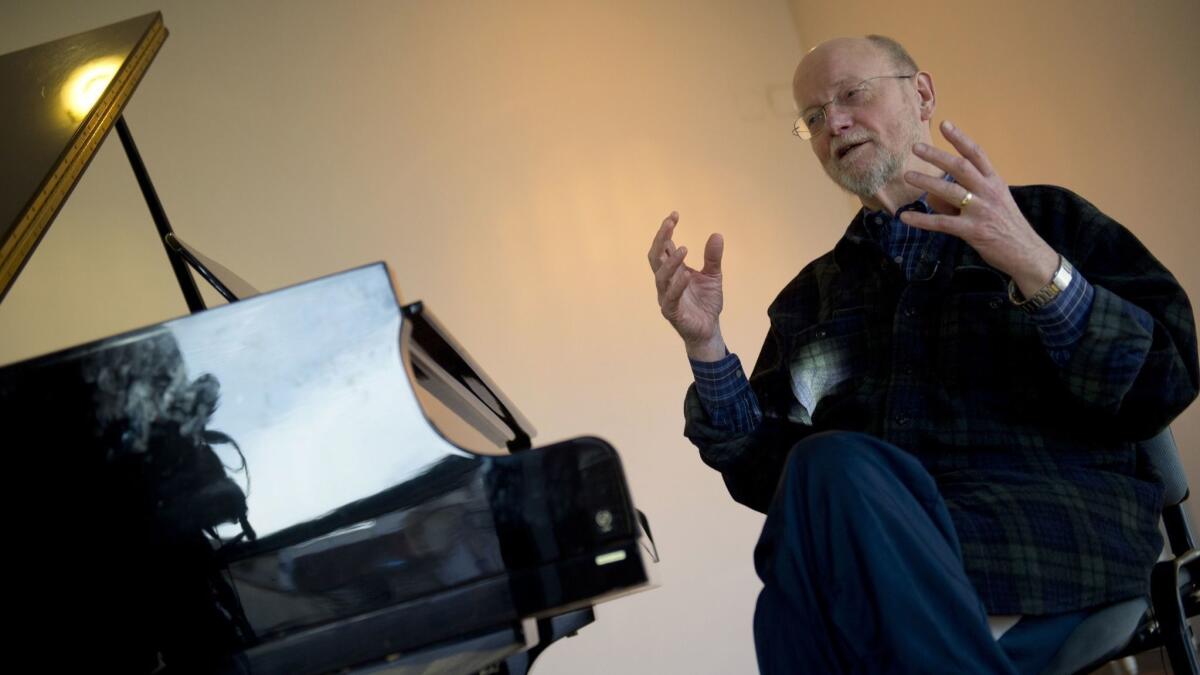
point(510, 160)
point(1100, 96)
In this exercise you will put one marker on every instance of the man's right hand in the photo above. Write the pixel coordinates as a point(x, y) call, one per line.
point(690, 300)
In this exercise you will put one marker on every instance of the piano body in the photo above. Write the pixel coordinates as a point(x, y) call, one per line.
point(283, 484)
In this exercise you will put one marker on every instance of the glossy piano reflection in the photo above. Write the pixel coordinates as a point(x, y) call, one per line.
point(269, 495)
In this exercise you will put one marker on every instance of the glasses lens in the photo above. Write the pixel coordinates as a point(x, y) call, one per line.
point(802, 130)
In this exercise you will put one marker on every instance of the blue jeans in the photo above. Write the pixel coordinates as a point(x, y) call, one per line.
point(862, 573)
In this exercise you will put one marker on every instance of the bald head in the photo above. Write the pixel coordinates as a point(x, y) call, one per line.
point(873, 53)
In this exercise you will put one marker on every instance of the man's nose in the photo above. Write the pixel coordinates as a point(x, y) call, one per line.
point(838, 119)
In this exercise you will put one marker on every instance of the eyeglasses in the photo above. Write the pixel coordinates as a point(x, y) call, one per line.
point(812, 121)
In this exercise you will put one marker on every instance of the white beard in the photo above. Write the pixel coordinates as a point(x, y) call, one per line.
point(866, 181)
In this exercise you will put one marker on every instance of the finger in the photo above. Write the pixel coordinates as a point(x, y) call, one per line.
point(949, 193)
point(670, 246)
point(713, 250)
point(679, 283)
point(665, 271)
point(658, 245)
point(968, 148)
point(952, 225)
point(939, 205)
point(963, 171)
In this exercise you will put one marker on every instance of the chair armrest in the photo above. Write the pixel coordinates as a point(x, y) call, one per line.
point(1171, 583)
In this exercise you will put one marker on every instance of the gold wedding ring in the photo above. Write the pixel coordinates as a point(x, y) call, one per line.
point(965, 200)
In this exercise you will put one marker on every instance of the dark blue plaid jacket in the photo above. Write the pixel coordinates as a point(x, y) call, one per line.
point(1054, 509)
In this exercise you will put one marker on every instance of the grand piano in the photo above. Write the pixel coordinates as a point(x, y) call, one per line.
point(316, 479)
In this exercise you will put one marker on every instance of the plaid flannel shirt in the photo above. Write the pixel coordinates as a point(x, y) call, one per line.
point(1027, 423)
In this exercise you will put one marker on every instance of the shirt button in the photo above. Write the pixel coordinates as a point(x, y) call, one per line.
point(899, 259)
point(821, 333)
point(902, 420)
point(995, 303)
point(878, 220)
point(908, 370)
point(910, 311)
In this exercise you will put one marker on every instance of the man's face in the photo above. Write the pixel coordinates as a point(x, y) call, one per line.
point(861, 148)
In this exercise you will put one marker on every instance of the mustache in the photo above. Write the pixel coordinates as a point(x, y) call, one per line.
point(842, 142)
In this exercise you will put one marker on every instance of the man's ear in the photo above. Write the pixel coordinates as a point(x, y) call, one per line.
point(926, 96)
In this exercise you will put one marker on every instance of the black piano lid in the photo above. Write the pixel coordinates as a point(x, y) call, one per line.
point(449, 373)
point(296, 370)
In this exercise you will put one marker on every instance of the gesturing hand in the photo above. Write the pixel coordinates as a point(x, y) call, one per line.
point(690, 300)
point(989, 220)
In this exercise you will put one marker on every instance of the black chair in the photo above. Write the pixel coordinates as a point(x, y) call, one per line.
point(1142, 624)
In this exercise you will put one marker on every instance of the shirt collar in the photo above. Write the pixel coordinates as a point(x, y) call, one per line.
point(875, 221)
point(862, 229)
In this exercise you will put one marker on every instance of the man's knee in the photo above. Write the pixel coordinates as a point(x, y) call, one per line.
point(830, 457)
point(845, 466)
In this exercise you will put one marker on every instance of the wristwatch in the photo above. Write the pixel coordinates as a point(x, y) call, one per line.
point(1058, 283)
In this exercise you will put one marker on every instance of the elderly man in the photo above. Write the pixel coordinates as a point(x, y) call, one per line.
point(941, 422)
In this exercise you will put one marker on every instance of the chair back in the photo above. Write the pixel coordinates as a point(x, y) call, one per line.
point(1164, 456)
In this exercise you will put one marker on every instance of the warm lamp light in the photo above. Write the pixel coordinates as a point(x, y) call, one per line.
point(87, 84)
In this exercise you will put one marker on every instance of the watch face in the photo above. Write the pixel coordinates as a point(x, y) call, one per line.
point(1062, 276)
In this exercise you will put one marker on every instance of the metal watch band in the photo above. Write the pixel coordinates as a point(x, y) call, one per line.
point(1058, 283)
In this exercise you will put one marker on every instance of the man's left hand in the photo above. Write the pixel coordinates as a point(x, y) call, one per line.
point(990, 221)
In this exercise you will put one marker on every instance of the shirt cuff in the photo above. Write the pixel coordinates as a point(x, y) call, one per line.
point(1062, 321)
point(726, 395)
point(717, 381)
